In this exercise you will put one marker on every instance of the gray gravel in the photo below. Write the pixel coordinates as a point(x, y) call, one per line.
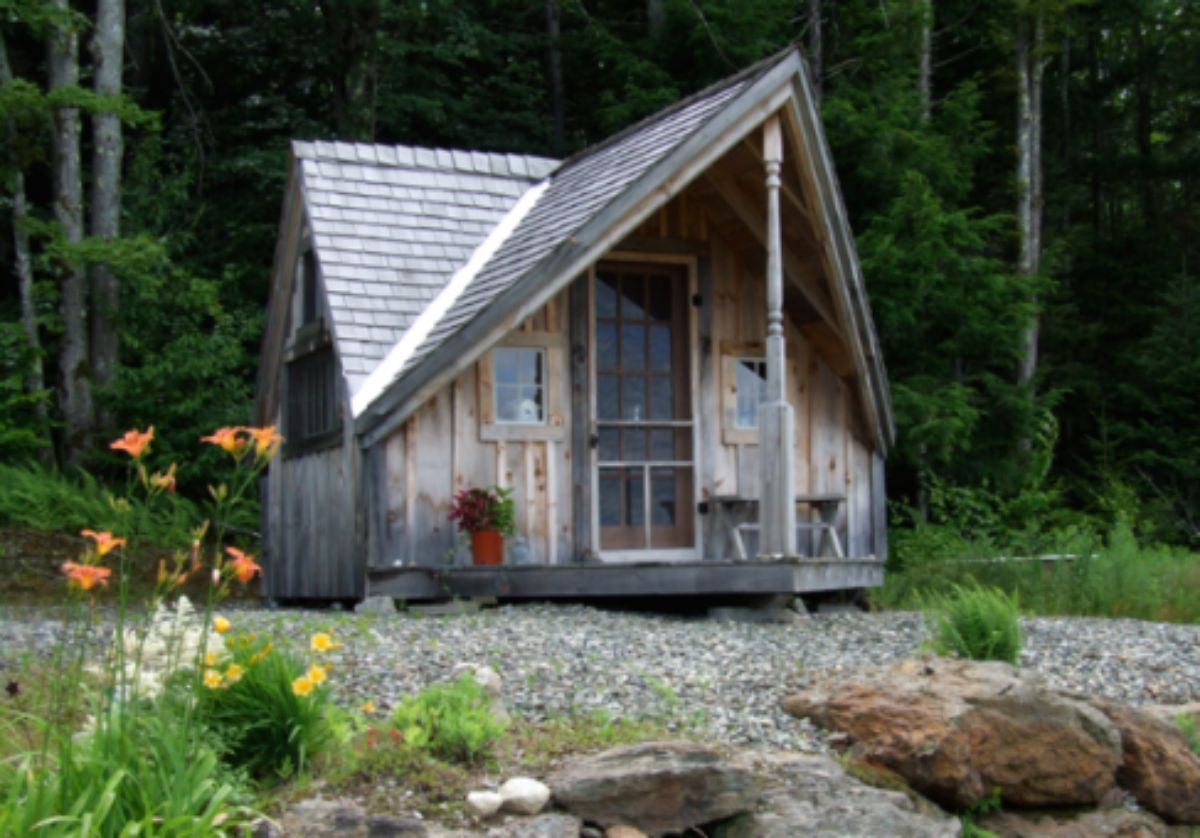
point(717, 679)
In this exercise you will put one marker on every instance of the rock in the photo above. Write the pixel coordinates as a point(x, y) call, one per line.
point(1111, 823)
point(956, 730)
point(1172, 713)
point(1157, 766)
point(524, 795)
point(321, 818)
point(484, 676)
point(546, 826)
point(624, 831)
point(376, 605)
point(814, 796)
point(658, 787)
point(484, 804)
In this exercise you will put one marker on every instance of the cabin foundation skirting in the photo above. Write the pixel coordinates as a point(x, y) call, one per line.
point(584, 581)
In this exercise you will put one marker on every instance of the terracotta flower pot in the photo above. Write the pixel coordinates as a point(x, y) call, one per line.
point(487, 547)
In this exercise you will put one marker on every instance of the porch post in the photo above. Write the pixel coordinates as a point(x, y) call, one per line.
point(776, 418)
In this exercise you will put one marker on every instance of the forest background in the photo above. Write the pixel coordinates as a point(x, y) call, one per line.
point(1022, 176)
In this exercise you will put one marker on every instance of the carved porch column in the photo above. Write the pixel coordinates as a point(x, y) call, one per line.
point(776, 419)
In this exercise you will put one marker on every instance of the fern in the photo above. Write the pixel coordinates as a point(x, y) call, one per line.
point(976, 623)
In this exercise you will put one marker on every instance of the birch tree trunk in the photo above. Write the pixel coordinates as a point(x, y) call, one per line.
point(75, 396)
point(108, 45)
point(815, 58)
point(554, 69)
point(22, 263)
point(1029, 49)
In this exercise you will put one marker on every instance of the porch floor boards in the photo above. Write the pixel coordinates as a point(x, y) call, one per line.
point(577, 581)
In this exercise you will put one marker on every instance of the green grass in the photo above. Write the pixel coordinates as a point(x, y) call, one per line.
point(38, 499)
point(1114, 577)
point(976, 623)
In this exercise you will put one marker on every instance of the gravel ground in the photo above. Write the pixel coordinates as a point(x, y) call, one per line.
point(718, 679)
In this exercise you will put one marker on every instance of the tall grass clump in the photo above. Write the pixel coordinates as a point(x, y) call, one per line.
point(976, 623)
point(452, 721)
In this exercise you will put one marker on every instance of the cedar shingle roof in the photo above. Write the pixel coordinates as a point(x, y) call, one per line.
point(391, 225)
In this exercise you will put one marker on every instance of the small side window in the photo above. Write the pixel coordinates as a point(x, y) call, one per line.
point(520, 385)
point(750, 379)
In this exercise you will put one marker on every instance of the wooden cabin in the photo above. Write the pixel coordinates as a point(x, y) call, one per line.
point(662, 345)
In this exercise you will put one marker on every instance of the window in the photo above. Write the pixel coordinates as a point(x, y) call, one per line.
point(520, 385)
point(750, 381)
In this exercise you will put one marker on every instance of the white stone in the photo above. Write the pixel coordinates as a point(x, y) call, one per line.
point(484, 804)
point(484, 676)
point(524, 795)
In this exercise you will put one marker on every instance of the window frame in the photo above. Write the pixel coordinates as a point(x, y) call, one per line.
point(555, 409)
point(732, 354)
point(542, 387)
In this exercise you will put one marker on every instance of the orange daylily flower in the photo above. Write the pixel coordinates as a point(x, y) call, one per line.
point(105, 542)
point(84, 577)
point(134, 442)
point(266, 440)
point(244, 567)
point(164, 481)
point(227, 440)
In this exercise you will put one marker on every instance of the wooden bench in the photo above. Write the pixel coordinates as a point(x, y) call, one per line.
point(741, 513)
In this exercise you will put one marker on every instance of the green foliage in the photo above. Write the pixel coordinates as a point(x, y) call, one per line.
point(263, 727)
point(451, 721)
point(20, 433)
point(1191, 731)
point(40, 499)
point(976, 623)
point(137, 772)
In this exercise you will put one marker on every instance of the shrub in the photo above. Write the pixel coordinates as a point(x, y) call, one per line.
point(266, 708)
point(977, 623)
point(1191, 732)
point(451, 721)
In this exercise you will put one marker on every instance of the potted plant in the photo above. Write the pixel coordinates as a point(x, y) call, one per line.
point(487, 514)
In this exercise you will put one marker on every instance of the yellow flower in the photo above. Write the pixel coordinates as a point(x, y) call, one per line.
point(367, 707)
point(212, 679)
point(323, 642)
point(317, 674)
point(233, 673)
point(211, 658)
point(220, 625)
point(302, 686)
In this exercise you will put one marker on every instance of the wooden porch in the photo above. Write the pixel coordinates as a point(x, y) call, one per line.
point(627, 580)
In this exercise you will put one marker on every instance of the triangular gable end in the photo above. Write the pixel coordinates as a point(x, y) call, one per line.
point(565, 233)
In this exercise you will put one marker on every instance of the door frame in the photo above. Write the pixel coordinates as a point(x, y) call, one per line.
point(690, 263)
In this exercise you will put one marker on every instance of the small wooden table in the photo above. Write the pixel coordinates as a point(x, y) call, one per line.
point(741, 513)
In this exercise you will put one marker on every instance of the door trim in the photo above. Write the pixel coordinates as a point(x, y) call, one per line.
point(690, 263)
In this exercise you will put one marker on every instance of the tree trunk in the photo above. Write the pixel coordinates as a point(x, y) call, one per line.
point(815, 57)
point(656, 19)
point(353, 27)
point(1029, 175)
point(108, 45)
point(75, 396)
point(554, 69)
point(925, 65)
point(35, 381)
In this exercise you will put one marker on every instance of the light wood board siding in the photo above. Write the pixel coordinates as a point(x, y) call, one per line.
point(442, 449)
point(451, 443)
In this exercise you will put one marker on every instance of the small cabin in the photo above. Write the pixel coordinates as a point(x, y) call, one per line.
point(662, 346)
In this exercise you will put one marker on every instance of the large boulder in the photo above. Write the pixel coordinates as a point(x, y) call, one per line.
point(658, 787)
point(1157, 765)
point(958, 730)
point(814, 796)
point(1103, 823)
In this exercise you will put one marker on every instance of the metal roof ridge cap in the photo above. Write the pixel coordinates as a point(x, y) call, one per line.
point(384, 375)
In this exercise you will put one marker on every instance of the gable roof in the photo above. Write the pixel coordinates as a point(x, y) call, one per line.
point(391, 225)
point(581, 208)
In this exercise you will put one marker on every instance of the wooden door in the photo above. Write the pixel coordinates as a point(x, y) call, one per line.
point(643, 412)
